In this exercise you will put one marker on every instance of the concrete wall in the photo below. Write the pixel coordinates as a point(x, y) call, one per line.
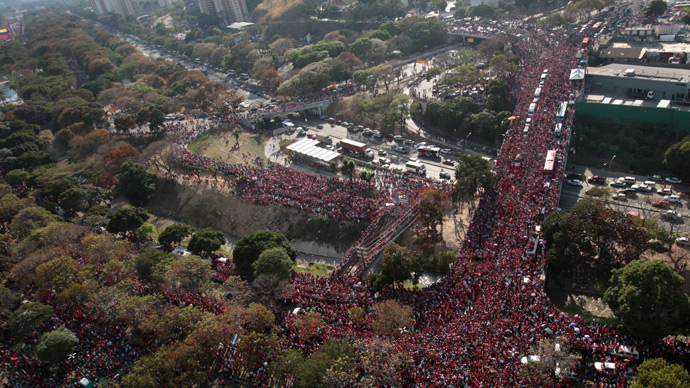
point(624, 114)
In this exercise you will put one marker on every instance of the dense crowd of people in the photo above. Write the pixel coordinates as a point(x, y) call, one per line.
point(475, 325)
point(472, 327)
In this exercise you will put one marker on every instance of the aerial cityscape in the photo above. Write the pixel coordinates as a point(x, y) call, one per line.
point(365, 193)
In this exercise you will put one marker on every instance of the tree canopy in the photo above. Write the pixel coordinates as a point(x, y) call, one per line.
point(206, 241)
point(591, 235)
point(656, 372)
point(248, 249)
point(56, 345)
point(648, 298)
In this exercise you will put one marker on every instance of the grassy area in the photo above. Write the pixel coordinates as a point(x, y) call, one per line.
point(220, 145)
point(285, 143)
point(201, 142)
point(320, 270)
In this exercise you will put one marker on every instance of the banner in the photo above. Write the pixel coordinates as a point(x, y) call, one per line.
point(182, 110)
point(419, 61)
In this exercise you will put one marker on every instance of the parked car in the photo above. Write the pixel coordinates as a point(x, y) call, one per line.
point(618, 184)
point(446, 151)
point(665, 191)
point(671, 214)
point(575, 182)
point(398, 138)
point(620, 197)
point(683, 241)
point(400, 149)
point(661, 203)
point(673, 180)
point(596, 179)
point(655, 178)
point(383, 153)
point(672, 198)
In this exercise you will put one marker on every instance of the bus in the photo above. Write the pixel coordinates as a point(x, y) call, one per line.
point(429, 151)
point(415, 167)
point(560, 116)
point(550, 161)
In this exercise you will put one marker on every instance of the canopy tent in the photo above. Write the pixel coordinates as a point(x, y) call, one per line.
point(306, 148)
point(577, 74)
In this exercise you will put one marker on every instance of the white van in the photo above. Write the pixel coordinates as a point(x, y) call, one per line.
point(630, 179)
point(532, 108)
point(558, 129)
point(537, 93)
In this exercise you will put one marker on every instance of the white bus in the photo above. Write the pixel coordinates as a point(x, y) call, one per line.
point(416, 167)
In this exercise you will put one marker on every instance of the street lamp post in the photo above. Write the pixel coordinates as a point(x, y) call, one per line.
point(468, 136)
point(611, 162)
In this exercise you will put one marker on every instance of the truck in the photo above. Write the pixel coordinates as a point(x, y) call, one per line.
point(324, 138)
point(356, 148)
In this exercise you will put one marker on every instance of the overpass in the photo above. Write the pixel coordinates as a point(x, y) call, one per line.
point(281, 111)
point(363, 257)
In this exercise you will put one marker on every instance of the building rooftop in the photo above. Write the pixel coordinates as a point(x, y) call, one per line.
point(637, 71)
point(623, 53)
point(617, 99)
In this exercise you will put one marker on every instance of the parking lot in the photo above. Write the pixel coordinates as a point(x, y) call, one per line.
point(667, 202)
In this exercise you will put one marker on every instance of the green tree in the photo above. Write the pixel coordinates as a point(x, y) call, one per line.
point(248, 249)
point(677, 158)
point(135, 183)
point(28, 317)
point(472, 172)
point(147, 259)
point(82, 198)
point(399, 111)
point(274, 261)
point(60, 273)
point(9, 301)
point(312, 372)
point(174, 233)
point(481, 10)
point(657, 373)
point(498, 95)
point(655, 9)
point(648, 298)
point(152, 114)
point(126, 219)
point(347, 167)
point(30, 219)
point(432, 205)
point(56, 345)
point(592, 236)
point(397, 266)
point(206, 241)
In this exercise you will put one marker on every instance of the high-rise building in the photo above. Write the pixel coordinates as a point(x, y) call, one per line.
point(232, 11)
point(126, 7)
point(121, 7)
point(164, 3)
point(207, 7)
point(101, 7)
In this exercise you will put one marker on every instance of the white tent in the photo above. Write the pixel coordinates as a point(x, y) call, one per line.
point(577, 74)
